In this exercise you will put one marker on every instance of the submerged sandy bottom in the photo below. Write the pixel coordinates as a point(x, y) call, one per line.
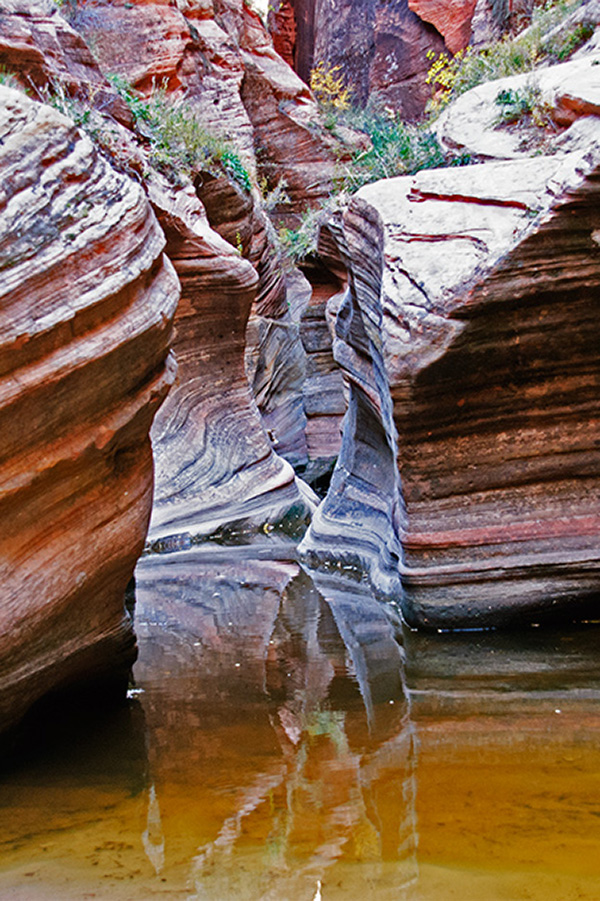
point(277, 745)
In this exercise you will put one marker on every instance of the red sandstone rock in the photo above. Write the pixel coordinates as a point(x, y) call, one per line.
point(240, 88)
point(87, 300)
point(284, 31)
point(382, 45)
point(452, 20)
point(468, 344)
point(41, 49)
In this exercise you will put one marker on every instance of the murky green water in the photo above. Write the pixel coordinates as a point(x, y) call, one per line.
point(278, 745)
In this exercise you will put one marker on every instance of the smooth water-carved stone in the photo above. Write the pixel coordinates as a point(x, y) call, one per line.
point(214, 461)
point(359, 521)
point(87, 300)
point(219, 61)
point(472, 308)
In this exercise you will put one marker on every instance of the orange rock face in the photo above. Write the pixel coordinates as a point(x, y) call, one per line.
point(87, 300)
point(452, 20)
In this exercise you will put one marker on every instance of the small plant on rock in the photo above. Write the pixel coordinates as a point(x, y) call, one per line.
point(524, 105)
point(179, 144)
point(566, 42)
point(9, 79)
point(328, 87)
point(525, 112)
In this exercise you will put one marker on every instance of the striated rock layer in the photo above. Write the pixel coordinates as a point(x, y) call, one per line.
point(221, 57)
point(214, 462)
point(472, 314)
point(39, 47)
point(87, 300)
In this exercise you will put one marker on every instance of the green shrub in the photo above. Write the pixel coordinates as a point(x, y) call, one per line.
point(9, 79)
point(396, 149)
point(179, 145)
point(524, 105)
point(451, 76)
point(299, 243)
point(567, 42)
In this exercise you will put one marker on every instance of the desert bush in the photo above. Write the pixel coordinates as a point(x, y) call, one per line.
point(301, 242)
point(179, 145)
point(524, 105)
point(9, 79)
point(101, 129)
point(395, 148)
point(452, 76)
point(329, 87)
point(565, 43)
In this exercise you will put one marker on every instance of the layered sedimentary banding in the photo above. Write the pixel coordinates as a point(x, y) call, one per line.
point(38, 47)
point(323, 390)
point(221, 58)
point(87, 305)
point(214, 461)
point(488, 301)
point(359, 520)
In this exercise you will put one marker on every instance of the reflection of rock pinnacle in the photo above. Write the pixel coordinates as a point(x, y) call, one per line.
point(152, 837)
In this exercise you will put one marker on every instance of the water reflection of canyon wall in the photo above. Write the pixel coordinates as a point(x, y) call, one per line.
point(293, 764)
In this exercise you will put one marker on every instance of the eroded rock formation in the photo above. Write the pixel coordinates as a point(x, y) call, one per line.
point(468, 342)
point(88, 299)
point(452, 20)
point(381, 46)
point(214, 461)
point(221, 56)
point(41, 49)
point(238, 87)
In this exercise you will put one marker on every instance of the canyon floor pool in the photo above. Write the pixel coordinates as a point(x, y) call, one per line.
point(285, 741)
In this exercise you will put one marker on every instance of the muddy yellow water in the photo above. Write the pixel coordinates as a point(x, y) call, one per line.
point(283, 740)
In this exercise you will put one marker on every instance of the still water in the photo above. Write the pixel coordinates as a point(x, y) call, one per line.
point(284, 741)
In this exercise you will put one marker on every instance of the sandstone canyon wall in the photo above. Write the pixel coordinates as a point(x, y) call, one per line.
point(220, 58)
point(88, 298)
point(380, 45)
point(463, 304)
point(93, 300)
point(214, 461)
point(468, 476)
